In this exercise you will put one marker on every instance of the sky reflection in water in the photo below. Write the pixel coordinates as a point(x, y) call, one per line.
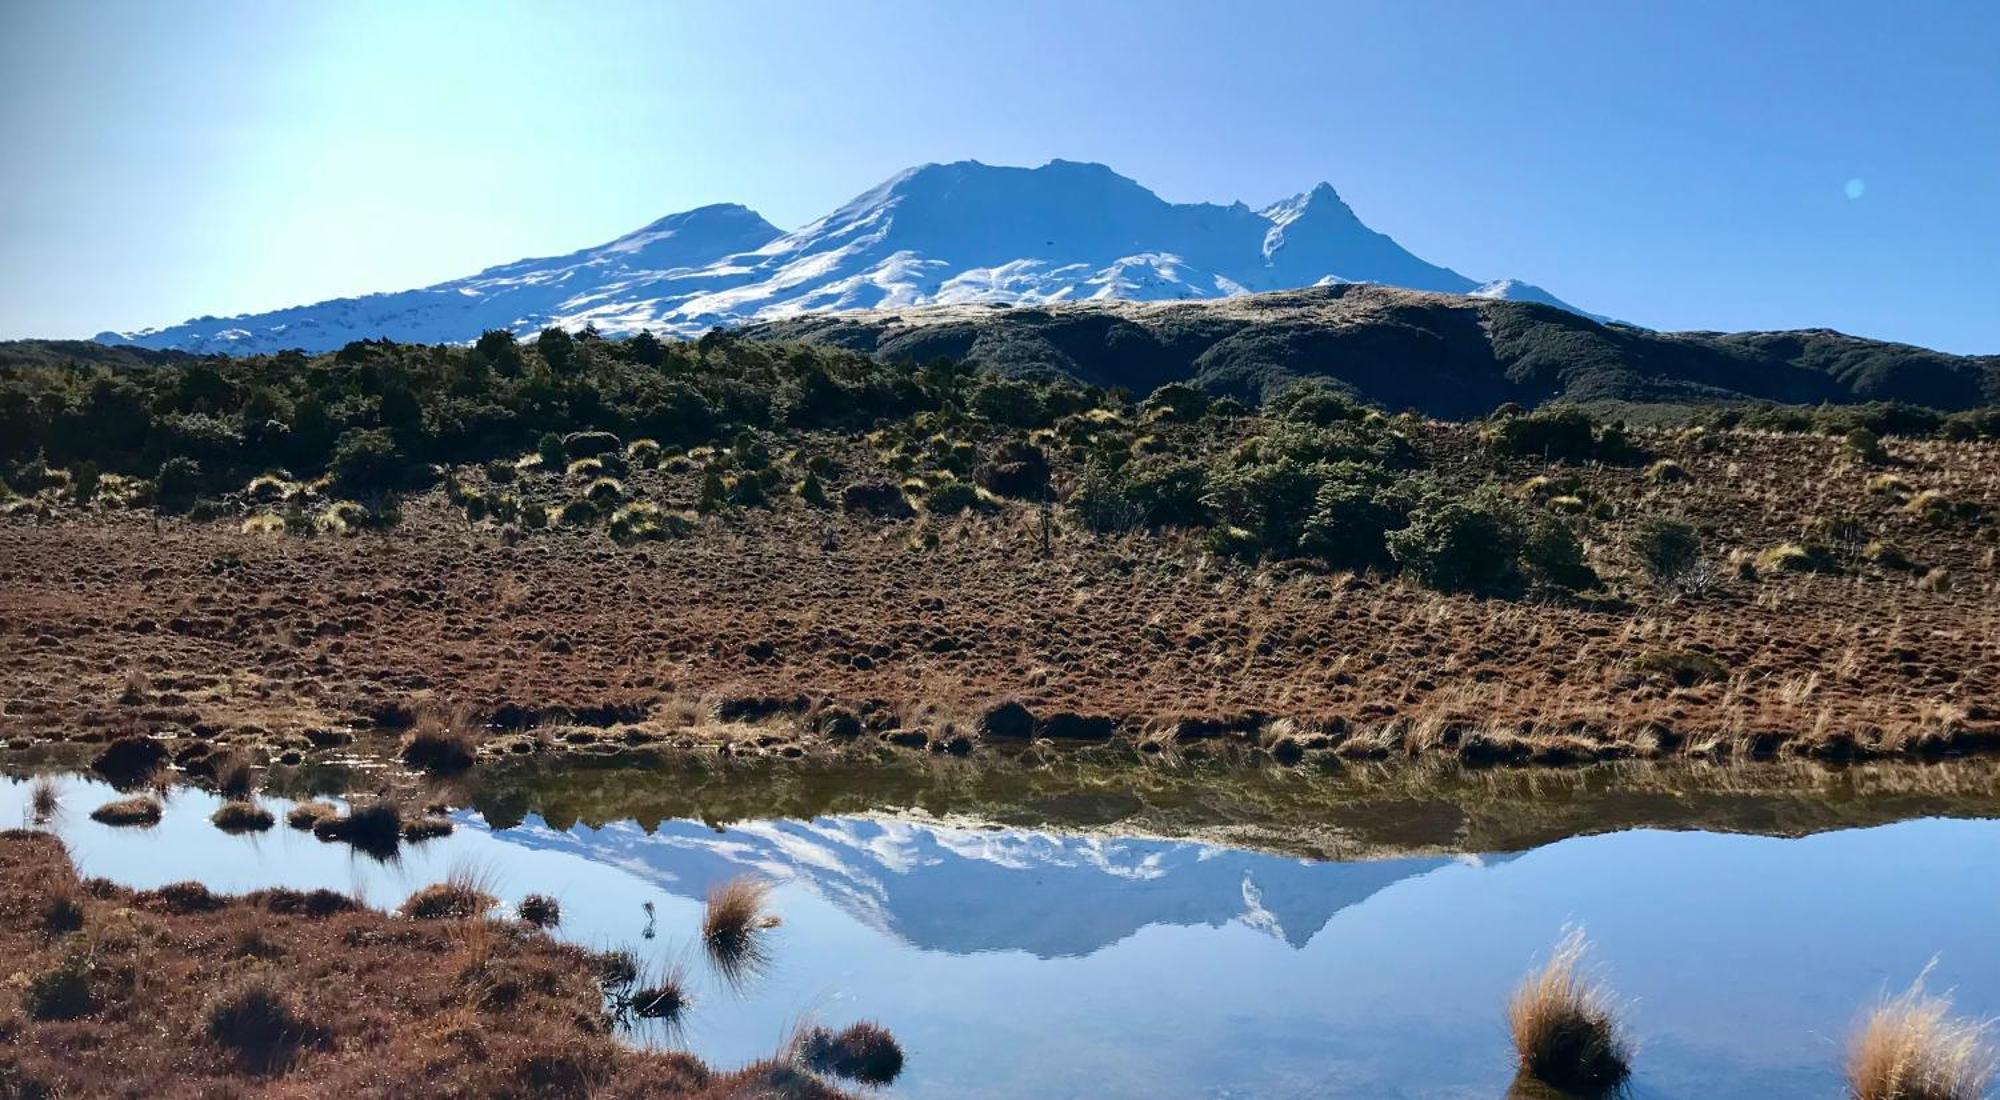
point(1017, 963)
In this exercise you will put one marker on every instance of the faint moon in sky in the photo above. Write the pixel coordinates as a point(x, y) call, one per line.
point(1856, 188)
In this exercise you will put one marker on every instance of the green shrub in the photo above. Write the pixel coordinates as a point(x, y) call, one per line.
point(1176, 402)
point(1100, 503)
point(1016, 468)
point(550, 449)
point(1168, 491)
point(1552, 554)
point(366, 461)
point(1315, 401)
point(1865, 446)
point(84, 482)
point(1665, 547)
point(577, 513)
point(1352, 516)
point(950, 497)
point(1552, 434)
point(177, 483)
point(1471, 544)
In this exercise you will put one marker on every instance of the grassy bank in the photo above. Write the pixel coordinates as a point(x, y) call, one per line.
point(177, 992)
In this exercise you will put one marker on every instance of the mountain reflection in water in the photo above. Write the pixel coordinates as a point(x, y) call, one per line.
point(1048, 894)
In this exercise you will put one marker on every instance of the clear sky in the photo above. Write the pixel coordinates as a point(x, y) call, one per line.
point(1741, 164)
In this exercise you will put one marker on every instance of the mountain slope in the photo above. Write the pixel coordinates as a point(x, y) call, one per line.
point(1446, 354)
point(940, 233)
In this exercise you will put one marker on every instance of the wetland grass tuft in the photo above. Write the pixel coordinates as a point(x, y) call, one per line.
point(306, 815)
point(242, 816)
point(662, 996)
point(540, 910)
point(864, 1052)
point(1564, 1029)
point(442, 741)
point(465, 893)
point(137, 810)
point(733, 924)
point(44, 798)
point(373, 827)
point(1910, 1047)
point(259, 1024)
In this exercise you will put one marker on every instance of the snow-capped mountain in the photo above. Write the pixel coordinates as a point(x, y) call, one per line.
point(963, 232)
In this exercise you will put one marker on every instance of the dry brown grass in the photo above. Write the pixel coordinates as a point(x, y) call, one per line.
point(1910, 1047)
point(1564, 1026)
point(154, 999)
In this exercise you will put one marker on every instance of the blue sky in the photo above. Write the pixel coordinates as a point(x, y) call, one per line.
point(1681, 165)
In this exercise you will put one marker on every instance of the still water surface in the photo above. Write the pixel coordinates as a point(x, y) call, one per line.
point(1017, 962)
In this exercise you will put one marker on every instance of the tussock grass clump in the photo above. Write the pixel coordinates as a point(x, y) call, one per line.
point(733, 924)
point(375, 827)
point(1910, 1047)
point(617, 968)
point(428, 827)
point(442, 741)
point(242, 816)
point(540, 910)
point(1931, 506)
point(1886, 555)
point(1563, 1027)
point(865, 1052)
point(44, 799)
point(306, 815)
point(645, 521)
point(1685, 668)
point(465, 893)
point(137, 810)
point(605, 491)
point(663, 996)
point(1888, 485)
point(1667, 472)
point(1792, 557)
point(264, 523)
point(63, 913)
point(130, 761)
point(63, 991)
point(233, 776)
point(259, 1025)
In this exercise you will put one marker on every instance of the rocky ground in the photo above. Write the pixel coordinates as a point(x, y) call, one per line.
point(793, 630)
